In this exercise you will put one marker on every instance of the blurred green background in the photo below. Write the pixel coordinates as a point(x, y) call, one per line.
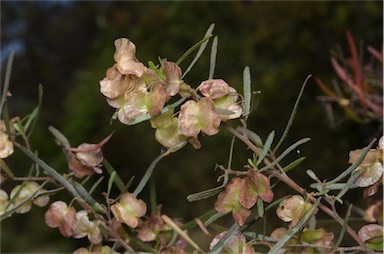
point(68, 45)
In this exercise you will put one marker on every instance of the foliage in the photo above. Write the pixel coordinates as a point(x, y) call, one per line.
point(182, 114)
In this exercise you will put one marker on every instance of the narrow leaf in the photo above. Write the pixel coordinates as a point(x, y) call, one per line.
point(151, 167)
point(312, 175)
point(38, 108)
point(146, 117)
point(94, 186)
point(230, 156)
point(266, 147)
point(212, 62)
point(204, 217)
point(208, 34)
point(251, 135)
point(260, 207)
point(87, 197)
point(129, 183)
point(294, 230)
point(7, 170)
point(7, 80)
point(293, 164)
point(110, 182)
point(355, 164)
point(119, 183)
point(349, 183)
point(285, 153)
point(247, 91)
point(223, 241)
point(204, 194)
point(344, 227)
point(213, 218)
point(50, 171)
point(290, 121)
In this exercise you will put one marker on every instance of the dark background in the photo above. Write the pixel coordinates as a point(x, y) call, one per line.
point(67, 46)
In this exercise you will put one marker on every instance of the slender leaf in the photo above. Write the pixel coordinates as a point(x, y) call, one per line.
point(119, 183)
point(94, 186)
point(251, 135)
point(38, 108)
point(294, 230)
point(151, 167)
point(212, 62)
point(191, 49)
point(148, 174)
point(213, 218)
point(293, 164)
point(223, 241)
point(344, 227)
point(153, 194)
point(260, 207)
point(208, 34)
point(230, 156)
point(110, 182)
point(205, 194)
point(204, 217)
point(290, 121)
point(128, 184)
point(312, 175)
point(334, 186)
point(355, 164)
point(63, 141)
point(7, 170)
point(247, 91)
point(349, 183)
point(7, 80)
point(88, 198)
point(285, 153)
point(50, 171)
point(266, 147)
point(146, 117)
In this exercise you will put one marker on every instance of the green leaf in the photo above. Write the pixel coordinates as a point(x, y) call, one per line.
point(204, 218)
point(294, 230)
point(285, 153)
point(146, 117)
point(334, 186)
point(203, 43)
point(204, 194)
point(88, 198)
point(30, 125)
point(50, 171)
point(7, 80)
point(266, 147)
point(312, 175)
point(290, 121)
point(354, 165)
point(6, 169)
point(151, 167)
point(251, 135)
point(349, 184)
point(223, 241)
point(293, 164)
point(247, 91)
point(212, 62)
point(119, 183)
point(260, 207)
point(344, 227)
point(110, 182)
